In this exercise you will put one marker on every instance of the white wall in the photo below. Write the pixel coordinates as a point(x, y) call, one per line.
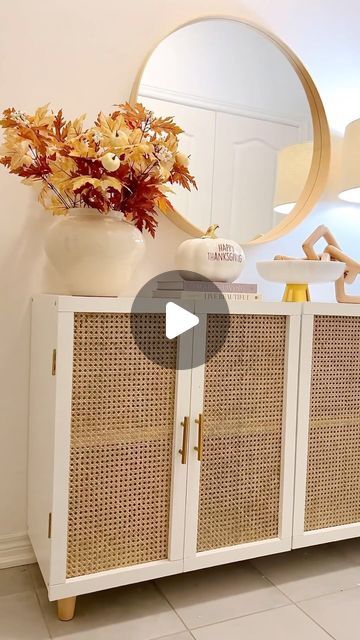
point(83, 56)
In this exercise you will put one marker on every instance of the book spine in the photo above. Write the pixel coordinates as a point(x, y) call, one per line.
point(225, 287)
point(207, 295)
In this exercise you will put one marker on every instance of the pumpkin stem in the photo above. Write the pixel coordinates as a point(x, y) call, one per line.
point(210, 233)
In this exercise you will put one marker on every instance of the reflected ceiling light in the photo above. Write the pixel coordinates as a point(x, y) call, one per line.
point(350, 174)
point(293, 166)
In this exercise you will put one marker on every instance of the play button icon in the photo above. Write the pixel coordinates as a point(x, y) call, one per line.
point(178, 320)
point(167, 306)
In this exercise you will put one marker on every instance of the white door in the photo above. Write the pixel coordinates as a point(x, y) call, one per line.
point(198, 142)
point(242, 439)
point(327, 485)
point(245, 172)
point(120, 481)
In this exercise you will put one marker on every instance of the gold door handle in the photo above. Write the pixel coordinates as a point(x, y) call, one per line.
point(185, 442)
point(200, 447)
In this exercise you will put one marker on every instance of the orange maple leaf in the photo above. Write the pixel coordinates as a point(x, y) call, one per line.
point(166, 125)
point(181, 175)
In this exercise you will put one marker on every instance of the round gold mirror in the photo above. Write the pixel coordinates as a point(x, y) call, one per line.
point(254, 127)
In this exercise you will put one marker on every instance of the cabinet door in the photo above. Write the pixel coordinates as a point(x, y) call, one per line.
point(327, 489)
point(239, 502)
point(245, 171)
point(197, 141)
point(125, 491)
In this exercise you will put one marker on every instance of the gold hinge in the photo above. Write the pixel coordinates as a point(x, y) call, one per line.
point(49, 526)
point(53, 363)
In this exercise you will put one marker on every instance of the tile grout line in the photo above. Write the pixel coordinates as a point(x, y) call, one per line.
point(322, 595)
point(212, 624)
point(246, 615)
point(329, 593)
point(174, 635)
point(296, 604)
point(173, 608)
point(249, 615)
point(291, 601)
point(38, 602)
point(315, 621)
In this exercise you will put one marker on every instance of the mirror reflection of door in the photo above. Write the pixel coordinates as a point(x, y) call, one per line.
point(240, 102)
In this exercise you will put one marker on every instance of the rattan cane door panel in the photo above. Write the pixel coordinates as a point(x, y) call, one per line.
point(333, 467)
point(240, 477)
point(121, 444)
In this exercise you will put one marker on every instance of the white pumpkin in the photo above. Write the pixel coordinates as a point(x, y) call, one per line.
point(110, 161)
point(216, 259)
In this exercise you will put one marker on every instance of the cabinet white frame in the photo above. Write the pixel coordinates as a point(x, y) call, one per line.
point(49, 453)
point(303, 538)
point(193, 559)
point(50, 430)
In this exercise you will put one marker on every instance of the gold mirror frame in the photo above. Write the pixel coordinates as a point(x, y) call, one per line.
point(319, 169)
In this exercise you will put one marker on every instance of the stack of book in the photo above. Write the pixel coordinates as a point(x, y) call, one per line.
point(205, 290)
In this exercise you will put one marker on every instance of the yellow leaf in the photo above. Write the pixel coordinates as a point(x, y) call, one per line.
point(43, 196)
point(64, 164)
point(102, 183)
point(164, 189)
point(80, 147)
point(28, 181)
point(76, 126)
point(41, 116)
point(81, 180)
point(135, 136)
point(108, 181)
point(56, 206)
point(62, 169)
point(61, 181)
point(113, 134)
point(19, 157)
point(108, 126)
point(141, 155)
point(164, 205)
point(105, 124)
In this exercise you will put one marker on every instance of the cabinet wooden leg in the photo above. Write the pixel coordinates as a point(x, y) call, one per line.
point(66, 608)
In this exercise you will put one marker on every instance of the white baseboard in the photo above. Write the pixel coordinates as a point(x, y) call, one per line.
point(15, 550)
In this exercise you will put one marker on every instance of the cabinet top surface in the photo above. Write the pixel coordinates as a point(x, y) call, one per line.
point(124, 305)
point(91, 304)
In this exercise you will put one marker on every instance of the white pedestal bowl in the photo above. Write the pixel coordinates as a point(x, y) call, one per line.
point(298, 274)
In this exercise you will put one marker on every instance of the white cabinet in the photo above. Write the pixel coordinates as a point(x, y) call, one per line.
point(117, 493)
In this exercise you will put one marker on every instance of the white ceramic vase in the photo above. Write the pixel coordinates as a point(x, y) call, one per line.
point(94, 253)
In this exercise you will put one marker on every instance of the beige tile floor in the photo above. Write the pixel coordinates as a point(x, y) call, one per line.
point(311, 594)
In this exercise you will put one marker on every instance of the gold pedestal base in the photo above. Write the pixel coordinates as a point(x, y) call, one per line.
point(296, 293)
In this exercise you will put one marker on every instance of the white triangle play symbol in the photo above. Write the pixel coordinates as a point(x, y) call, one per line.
point(178, 320)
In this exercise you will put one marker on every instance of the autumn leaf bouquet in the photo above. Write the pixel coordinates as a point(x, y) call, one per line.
point(125, 162)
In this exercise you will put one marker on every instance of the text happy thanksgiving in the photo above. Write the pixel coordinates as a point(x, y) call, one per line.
point(224, 253)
